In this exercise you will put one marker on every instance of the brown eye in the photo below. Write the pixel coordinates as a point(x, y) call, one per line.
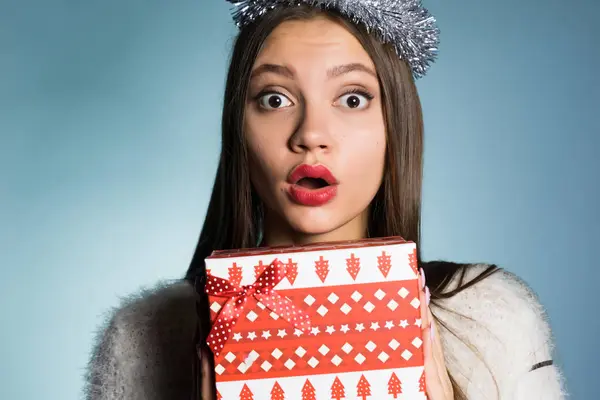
point(354, 100)
point(273, 101)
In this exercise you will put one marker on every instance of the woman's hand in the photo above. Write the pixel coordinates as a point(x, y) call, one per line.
point(437, 380)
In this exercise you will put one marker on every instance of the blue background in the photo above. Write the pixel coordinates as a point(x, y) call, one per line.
point(109, 124)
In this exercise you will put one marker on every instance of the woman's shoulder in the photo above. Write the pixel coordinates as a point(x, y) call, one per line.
point(148, 330)
point(501, 299)
point(498, 324)
point(165, 309)
point(173, 298)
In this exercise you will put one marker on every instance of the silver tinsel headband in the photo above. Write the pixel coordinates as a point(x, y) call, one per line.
point(405, 24)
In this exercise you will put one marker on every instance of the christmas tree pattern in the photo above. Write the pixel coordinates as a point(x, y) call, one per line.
point(277, 392)
point(246, 394)
point(308, 391)
point(322, 268)
point(219, 397)
point(258, 269)
point(394, 386)
point(353, 266)
point(337, 390)
point(422, 386)
point(413, 262)
point(363, 389)
point(291, 271)
point(235, 274)
point(384, 263)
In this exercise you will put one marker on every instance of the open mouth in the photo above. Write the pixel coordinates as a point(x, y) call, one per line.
point(312, 183)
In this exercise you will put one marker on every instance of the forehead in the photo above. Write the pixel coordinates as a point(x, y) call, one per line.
point(316, 42)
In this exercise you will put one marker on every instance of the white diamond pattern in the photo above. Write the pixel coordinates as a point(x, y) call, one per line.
point(394, 344)
point(415, 303)
point(383, 357)
point(356, 296)
point(379, 294)
point(309, 300)
point(266, 366)
point(300, 352)
point(215, 306)
point(360, 358)
point(371, 346)
point(243, 367)
point(289, 364)
point(324, 350)
point(369, 307)
point(417, 342)
point(345, 308)
point(333, 298)
point(276, 354)
point(252, 316)
point(392, 305)
point(313, 362)
point(403, 292)
point(347, 348)
point(322, 310)
point(336, 360)
point(406, 355)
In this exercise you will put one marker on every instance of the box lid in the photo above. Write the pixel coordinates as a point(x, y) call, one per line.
point(384, 241)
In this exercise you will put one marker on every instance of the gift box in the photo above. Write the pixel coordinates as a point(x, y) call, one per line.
point(324, 321)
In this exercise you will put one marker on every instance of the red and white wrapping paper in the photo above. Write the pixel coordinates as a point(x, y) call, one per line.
point(327, 321)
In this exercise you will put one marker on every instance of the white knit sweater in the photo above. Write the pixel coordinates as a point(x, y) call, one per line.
point(499, 331)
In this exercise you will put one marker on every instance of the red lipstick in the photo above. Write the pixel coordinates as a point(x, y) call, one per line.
point(312, 185)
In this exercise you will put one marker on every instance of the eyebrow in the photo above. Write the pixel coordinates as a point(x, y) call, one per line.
point(272, 68)
point(347, 68)
point(331, 73)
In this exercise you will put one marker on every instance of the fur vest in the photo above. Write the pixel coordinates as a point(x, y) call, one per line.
point(499, 345)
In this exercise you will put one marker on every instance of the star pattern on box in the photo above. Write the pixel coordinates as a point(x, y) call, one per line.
point(327, 329)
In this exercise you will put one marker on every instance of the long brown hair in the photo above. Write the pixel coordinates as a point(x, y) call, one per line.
point(234, 218)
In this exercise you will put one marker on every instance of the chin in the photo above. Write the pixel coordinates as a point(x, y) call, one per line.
point(313, 227)
point(317, 221)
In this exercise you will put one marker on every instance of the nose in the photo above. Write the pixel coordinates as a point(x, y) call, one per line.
point(313, 131)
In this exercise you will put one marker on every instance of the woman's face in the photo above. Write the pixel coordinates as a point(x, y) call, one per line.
point(315, 132)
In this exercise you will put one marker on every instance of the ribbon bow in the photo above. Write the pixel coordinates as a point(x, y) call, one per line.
point(261, 290)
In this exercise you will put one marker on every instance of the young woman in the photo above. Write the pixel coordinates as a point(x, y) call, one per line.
point(323, 141)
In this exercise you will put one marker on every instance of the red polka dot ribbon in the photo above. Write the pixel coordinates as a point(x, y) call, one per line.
point(262, 291)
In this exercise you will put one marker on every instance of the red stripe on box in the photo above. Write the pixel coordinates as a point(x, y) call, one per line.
point(335, 304)
point(380, 313)
point(370, 352)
